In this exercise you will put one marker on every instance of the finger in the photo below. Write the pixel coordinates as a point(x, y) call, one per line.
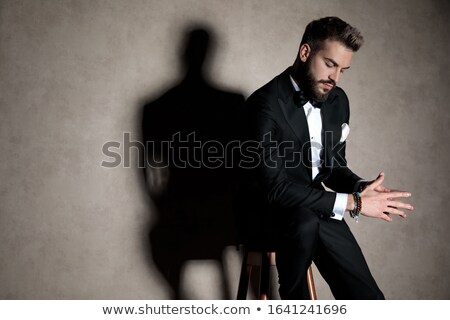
point(377, 181)
point(396, 190)
point(382, 189)
point(392, 210)
point(386, 217)
point(398, 204)
point(397, 194)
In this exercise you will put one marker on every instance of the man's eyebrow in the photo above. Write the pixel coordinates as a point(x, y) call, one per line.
point(335, 63)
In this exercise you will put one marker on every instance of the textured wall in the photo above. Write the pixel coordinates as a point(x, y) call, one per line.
point(74, 74)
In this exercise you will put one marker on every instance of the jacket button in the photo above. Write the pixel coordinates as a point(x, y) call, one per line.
point(332, 214)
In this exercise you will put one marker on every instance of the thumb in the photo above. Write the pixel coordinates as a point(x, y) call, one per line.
point(378, 181)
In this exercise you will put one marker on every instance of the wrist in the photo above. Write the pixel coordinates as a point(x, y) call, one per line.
point(357, 206)
point(350, 202)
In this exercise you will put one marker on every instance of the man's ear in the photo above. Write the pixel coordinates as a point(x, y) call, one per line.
point(304, 52)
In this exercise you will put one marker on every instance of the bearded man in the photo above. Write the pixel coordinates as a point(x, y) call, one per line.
point(301, 119)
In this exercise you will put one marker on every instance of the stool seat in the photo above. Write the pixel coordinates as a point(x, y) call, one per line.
point(264, 260)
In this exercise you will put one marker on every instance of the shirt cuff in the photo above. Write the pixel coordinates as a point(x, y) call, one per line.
point(340, 204)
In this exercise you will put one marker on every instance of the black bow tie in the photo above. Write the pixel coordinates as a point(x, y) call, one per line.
point(300, 100)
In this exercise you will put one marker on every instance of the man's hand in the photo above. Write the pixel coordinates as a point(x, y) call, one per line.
point(380, 202)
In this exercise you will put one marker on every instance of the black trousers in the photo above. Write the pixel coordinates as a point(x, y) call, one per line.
point(305, 237)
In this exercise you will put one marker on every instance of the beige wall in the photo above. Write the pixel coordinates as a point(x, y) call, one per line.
point(73, 75)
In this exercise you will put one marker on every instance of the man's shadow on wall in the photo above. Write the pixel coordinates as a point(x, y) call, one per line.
point(191, 132)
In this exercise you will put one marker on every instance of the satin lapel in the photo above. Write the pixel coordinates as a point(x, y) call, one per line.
point(296, 119)
point(294, 115)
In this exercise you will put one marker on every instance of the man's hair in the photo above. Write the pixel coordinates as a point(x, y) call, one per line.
point(331, 28)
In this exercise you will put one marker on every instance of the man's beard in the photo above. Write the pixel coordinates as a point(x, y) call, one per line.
point(310, 85)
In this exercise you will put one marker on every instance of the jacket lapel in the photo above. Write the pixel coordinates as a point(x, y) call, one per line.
point(294, 115)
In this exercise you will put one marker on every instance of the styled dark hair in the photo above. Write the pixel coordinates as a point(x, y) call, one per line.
point(331, 28)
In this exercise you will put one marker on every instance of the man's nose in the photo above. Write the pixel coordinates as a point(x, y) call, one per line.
point(335, 75)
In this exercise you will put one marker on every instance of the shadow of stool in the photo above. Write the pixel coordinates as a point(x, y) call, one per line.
point(264, 260)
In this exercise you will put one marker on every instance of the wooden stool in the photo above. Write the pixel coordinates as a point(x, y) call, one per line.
point(264, 260)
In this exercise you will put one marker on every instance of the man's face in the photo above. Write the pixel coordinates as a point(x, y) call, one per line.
point(323, 69)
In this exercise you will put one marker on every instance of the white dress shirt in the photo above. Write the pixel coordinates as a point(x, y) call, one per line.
point(314, 120)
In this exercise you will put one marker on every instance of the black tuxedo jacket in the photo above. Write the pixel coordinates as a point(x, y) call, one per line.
point(284, 171)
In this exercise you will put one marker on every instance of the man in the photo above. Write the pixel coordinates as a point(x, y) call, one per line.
point(301, 118)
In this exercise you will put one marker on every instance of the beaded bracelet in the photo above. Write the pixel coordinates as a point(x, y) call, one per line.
point(356, 212)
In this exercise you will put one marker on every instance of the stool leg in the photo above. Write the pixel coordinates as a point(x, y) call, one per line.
point(264, 291)
point(310, 282)
point(246, 271)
